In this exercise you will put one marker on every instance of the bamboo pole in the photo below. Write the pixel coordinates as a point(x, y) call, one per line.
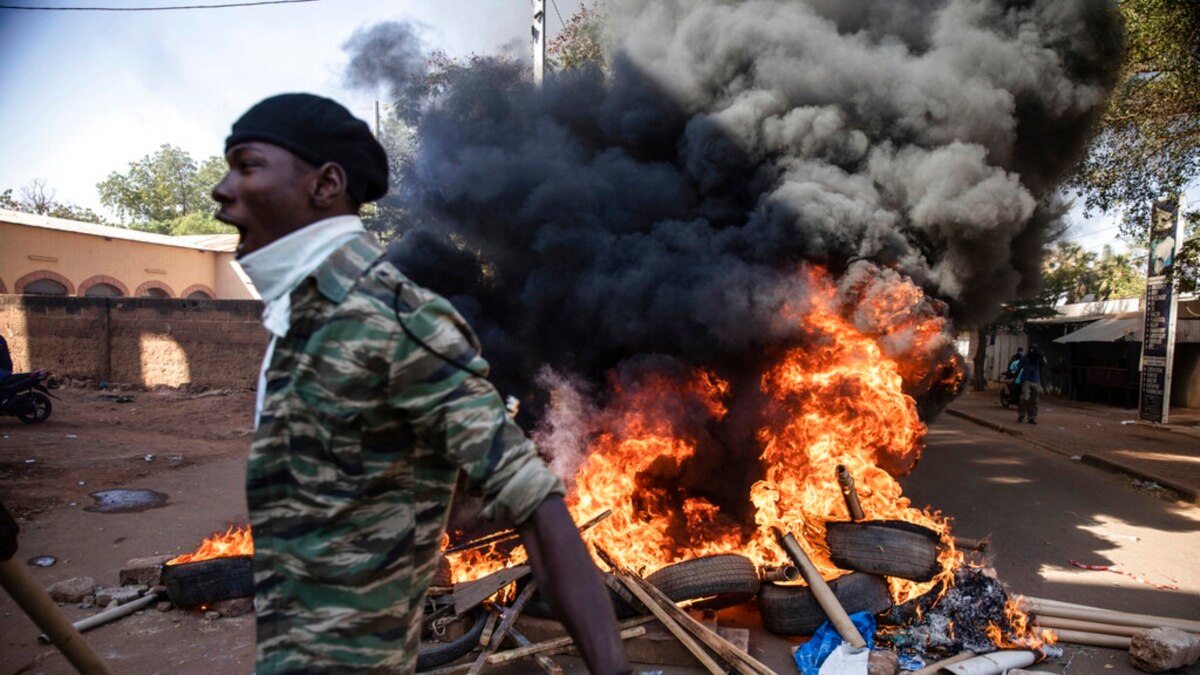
point(1078, 637)
point(36, 603)
point(933, 668)
point(1064, 610)
point(740, 660)
point(821, 591)
point(846, 481)
point(680, 634)
point(1056, 622)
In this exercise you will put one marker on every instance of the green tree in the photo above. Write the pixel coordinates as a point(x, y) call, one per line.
point(1148, 142)
point(166, 192)
point(1067, 272)
point(37, 197)
point(1117, 275)
point(580, 42)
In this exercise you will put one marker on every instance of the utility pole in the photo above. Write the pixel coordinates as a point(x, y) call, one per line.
point(539, 41)
point(377, 119)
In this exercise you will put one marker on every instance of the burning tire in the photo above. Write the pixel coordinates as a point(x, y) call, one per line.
point(890, 548)
point(209, 581)
point(718, 580)
point(794, 610)
point(434, 654)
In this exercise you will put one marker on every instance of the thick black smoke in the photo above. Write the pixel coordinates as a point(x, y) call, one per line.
point(666, 205)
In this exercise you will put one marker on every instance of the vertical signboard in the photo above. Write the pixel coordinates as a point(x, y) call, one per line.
point(1158, 335)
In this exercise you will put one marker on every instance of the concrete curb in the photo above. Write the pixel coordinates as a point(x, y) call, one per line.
point(1187, 493)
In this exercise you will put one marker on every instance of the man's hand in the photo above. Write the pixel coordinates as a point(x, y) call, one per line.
point(565, 571)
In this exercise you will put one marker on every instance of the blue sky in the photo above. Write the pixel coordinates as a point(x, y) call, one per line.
point(85, 93)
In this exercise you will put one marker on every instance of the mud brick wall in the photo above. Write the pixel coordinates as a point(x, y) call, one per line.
point(146, 341)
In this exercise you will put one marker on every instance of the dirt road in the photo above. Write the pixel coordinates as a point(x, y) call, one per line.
point(190, 447)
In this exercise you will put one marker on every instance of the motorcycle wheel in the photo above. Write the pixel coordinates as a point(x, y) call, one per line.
point(36, 408)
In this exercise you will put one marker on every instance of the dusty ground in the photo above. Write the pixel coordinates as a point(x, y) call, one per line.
point(190, 447)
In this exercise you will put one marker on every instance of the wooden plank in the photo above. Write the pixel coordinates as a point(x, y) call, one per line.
point(470, 594)
point(680, 634)
point(505, 624)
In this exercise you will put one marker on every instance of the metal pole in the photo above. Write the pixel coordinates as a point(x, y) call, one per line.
point(539, 41)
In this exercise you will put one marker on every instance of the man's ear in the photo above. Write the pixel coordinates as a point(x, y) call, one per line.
point(331, 185)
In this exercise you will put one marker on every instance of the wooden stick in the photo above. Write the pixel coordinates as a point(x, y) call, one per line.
point(544, 662)
point(488, 626)
point(733, 655)
point(680, 634)
point(1056, 622)
point(821, 591)
point(468, 595)
point(505, 624)
point(547, 647)
point(1078, 637)
point(1065, 610)
point(508, 535)
point(933, 668)
point(36, 603)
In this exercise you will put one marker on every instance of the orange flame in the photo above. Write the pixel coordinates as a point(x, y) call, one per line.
point(1021, 634)
point(236, 541)
point(841, 397)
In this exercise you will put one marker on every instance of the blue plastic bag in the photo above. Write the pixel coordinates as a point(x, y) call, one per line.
point(813, 653)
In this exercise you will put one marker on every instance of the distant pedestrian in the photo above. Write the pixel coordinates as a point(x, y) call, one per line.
point(1029, 377)
point(1014, 363)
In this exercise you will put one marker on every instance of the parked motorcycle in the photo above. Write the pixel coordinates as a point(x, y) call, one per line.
point(24, 396)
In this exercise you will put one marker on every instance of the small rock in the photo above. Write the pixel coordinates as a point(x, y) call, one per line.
point(119, 594)
point(73, 589)
point(164, 606)
point(883, 662)
point(1156, 650)
point(234, 607)
point(89, 601)
point(146, 571)
point(211, 615)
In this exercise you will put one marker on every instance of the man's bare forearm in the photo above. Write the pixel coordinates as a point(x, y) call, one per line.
point(566, 573)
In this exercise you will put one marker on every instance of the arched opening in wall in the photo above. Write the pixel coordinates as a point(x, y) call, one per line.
point(102, 290)
point(43, 282)
point(154, 289)
point(44, 287)
point(198, 292)
point(3, 288)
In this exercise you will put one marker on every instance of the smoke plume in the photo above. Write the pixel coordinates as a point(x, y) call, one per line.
point(665, 204)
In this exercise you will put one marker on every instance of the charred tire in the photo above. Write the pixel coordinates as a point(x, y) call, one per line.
point(209, 581)
point(719, 580)
point(433, 654)
point(794, 610)
point(890, 548)
point(36, 408)
point(622, 604)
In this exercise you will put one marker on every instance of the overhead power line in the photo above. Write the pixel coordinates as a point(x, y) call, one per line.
point(560, 21)
point(155, 9)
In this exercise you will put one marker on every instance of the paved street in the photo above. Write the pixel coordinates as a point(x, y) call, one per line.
point(1041, 509)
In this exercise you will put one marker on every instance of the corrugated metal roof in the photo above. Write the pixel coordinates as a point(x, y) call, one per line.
point(1128, 329)
point(64, 225)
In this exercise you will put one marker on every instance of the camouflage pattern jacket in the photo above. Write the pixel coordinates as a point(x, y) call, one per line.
point(362, 437)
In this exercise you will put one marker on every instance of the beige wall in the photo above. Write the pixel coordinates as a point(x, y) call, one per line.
point(84, 258)
point(146, 341)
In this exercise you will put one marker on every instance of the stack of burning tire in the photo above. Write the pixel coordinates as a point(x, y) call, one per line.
point(870, 550)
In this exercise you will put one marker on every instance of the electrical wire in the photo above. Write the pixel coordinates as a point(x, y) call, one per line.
point(560, 19)
point(255, 3)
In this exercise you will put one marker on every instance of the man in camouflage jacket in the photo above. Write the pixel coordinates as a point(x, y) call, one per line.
point(371, 402)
